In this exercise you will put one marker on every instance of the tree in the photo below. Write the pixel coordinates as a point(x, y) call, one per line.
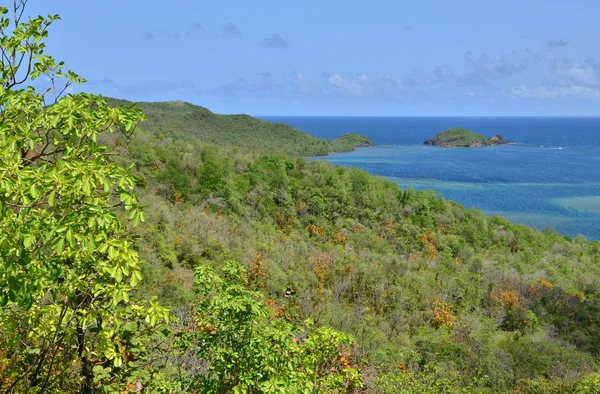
point(247, 350)
point(67, 265)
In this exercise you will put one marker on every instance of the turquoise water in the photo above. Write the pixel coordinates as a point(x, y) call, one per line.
point(550, 178)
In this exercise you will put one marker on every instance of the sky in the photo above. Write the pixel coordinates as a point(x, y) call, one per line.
point(337, 58)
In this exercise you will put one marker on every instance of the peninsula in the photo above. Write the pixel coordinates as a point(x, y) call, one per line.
point(463, 138)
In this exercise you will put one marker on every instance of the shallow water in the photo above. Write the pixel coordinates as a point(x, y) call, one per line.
point(550, 178)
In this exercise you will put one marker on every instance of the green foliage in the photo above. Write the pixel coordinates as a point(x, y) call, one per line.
point(247, 351)
point(589, 385)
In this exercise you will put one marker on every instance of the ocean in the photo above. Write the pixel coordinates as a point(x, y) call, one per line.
point(549, 178)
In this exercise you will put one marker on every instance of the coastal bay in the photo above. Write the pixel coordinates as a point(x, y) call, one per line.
point(546, 180)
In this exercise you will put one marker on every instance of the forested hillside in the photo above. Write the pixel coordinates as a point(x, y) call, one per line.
point(187, 122)
point(438, 297)
point(201, 253)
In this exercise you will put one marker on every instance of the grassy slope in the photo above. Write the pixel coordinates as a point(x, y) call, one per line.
point(185, 121)
point(453, 297)
point(459, 138)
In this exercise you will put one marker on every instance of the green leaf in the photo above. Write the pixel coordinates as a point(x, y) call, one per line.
point(51, 198)
point(59, 245)
point(112, 252)
point(69, 236)
point(28, 241)
point(103, 247)
point(118, 274)
point(98, 369)
point(34, 192)
point(91, 246)
point(133, 280)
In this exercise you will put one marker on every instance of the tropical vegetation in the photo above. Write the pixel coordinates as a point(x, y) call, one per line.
point(203, 253)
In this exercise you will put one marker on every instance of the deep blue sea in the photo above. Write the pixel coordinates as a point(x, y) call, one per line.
point(550, 178)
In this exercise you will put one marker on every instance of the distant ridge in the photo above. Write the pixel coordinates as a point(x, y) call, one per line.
point(185, 121)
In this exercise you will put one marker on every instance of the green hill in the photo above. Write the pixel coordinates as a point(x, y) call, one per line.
point(463, 138)
point(185, 121)
point(438, 297)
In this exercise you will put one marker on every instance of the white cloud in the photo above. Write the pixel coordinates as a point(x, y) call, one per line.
point(557, 92)
point(349, 87)
point(300, 83)
point(363, 85)
point(578, 74)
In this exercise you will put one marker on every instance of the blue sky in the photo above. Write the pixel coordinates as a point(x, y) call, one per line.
point(332, 57)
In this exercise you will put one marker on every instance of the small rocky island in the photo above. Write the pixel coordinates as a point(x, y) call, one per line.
point(463, 138)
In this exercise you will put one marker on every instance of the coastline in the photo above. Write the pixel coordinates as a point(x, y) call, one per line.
point(479, 180)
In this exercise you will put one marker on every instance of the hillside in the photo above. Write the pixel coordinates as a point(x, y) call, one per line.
point(463, 138)
point(436, 296)
point(185, 121)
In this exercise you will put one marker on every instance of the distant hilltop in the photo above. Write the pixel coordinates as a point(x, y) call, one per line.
point(179, 120)
point(463, 138)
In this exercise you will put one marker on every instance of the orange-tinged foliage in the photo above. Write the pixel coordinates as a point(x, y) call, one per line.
point(208, 328)
point(517, 317)
point(403, 367)
point(339, 238)
point(257, 272)
point(507, 298)
point(4, 383)
point(315, 230)
point(427, 240)
point(278, 311)
point(545, 284)
point(321, 263)
point(358, 229)
point(442, 314)
point(345, 360)
point(533, 292)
